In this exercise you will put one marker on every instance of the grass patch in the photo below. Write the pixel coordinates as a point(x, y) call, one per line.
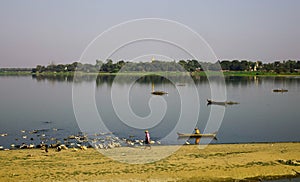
point(259, 163)
point(205, 156)
point(75, 173)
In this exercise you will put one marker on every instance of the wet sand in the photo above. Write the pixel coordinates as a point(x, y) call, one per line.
point(222, 162)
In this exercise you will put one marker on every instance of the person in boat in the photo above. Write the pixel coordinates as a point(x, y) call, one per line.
point(197, 140)
point(147, 139)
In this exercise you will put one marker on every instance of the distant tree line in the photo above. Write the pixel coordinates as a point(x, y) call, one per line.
point(277, 66)
point(183, 65)
point(15, 69)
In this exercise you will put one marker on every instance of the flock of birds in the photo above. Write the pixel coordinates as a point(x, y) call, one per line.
point(42, 139)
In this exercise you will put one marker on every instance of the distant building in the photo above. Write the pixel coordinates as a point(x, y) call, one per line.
point(297, 70)
point(257, 66)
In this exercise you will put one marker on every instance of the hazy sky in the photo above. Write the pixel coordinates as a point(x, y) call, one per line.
point(42, 31)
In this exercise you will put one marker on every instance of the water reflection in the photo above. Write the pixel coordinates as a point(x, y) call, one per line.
point(235, 81)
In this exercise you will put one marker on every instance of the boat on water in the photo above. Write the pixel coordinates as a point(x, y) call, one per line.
point(280, 90)
point(197, 135)
point(209, 102)
point(157, 92)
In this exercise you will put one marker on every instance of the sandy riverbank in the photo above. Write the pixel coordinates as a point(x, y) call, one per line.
point(223, 162)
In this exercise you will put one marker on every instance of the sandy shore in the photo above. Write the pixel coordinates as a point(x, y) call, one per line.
point(222, 162)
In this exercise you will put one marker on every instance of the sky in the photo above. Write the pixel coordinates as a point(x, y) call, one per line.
point(58, 31)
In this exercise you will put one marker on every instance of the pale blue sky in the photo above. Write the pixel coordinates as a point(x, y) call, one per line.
point(40, 31)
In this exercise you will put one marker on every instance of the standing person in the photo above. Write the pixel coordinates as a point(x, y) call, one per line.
point(147, 139)
point(197, 140)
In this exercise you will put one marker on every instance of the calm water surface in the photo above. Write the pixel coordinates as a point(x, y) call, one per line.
point(45, 104)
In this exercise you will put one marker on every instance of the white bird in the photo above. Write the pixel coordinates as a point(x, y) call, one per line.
point(63, 147)
point(101, 146)
point(31, 146)
point(83, 147)
point(110, 146)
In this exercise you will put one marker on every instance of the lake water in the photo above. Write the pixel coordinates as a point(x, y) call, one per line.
point(45, 104)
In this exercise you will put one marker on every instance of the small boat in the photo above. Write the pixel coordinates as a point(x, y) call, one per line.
point(200, 135)
point(280, 90)
point(157, 92)
point(209, 102)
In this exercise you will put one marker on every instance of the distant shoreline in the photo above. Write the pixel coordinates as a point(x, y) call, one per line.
point(166, 145)
point(201, 73)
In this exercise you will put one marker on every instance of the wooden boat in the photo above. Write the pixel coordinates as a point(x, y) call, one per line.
point(221, 103)
point(280, 90)
point(200, 135)
point(157, 92)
